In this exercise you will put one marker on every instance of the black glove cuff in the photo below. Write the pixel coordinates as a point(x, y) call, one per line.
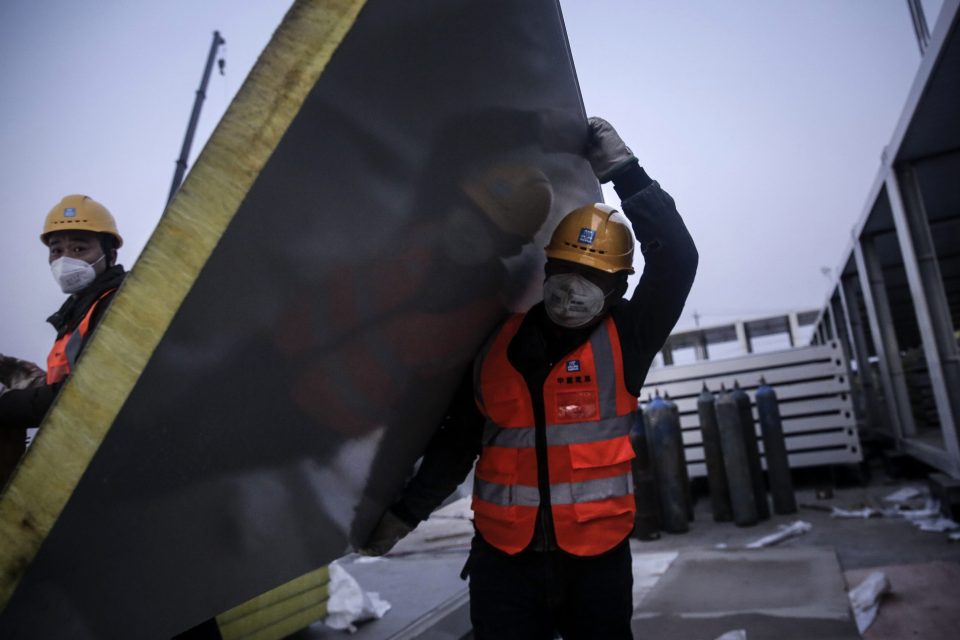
point(630, 180)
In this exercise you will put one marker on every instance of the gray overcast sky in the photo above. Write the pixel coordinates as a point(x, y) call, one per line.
point(764, 119)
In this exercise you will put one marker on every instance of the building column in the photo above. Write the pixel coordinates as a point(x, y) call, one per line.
point(861, 352)
point(700, 350)
point(743, 336)
point(794, 322)
point(884, 338)
point(667, 353)
point(835, 329)
point(929, 302)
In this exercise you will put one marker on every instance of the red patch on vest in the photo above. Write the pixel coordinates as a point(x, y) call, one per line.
point(576, 406)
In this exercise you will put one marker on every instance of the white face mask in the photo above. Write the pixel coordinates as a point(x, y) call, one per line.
point(571, 300)
point(73, 275)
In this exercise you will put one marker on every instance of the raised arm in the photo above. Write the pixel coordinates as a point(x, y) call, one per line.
point(670, 257)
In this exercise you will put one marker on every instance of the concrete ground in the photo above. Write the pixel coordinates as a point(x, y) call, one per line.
point(768, 594)
point(702, 583)
point(922, 567)
point(858, 543)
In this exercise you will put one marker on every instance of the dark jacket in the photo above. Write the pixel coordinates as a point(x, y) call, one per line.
point(25, 408)
point(644, 322)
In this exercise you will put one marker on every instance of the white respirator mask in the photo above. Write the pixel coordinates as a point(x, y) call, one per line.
point(571, 300)
point(73, 275)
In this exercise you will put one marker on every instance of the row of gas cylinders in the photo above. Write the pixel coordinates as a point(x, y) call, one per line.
point(735, 478)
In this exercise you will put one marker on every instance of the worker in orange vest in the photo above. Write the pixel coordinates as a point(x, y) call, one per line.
point(82, 240)
point(548, 410)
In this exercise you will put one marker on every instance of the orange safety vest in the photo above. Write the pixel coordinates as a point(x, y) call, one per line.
point(588, 413)
point(63, 356)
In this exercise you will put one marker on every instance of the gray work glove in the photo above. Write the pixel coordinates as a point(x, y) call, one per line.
point(385, 535)
point(606, 151)
point(20, 374)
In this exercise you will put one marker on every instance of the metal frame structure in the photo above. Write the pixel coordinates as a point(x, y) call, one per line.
point(895, 305)
point(743, 332)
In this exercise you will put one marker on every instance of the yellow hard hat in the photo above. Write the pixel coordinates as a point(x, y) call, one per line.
point(80, 213)
point(595, 236)
point(516, 198)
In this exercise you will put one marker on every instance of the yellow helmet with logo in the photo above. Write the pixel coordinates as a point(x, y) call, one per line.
point(80, 213)
point(595, 236)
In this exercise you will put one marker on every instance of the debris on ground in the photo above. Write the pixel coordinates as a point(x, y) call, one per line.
point(926, 518)
point(864, 513)
point(905, 494)
point(936, 524)
point(929, 518)
point(737, 634)
point(349, 603)
point(930, 509)
point(792, 530)
point(865, 599)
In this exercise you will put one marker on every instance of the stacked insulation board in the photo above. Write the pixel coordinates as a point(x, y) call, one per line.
point(813, 389)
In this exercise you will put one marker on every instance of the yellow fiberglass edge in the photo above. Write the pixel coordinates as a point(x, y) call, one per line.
point(189, 230)
point(278, 607)
point(289, 625)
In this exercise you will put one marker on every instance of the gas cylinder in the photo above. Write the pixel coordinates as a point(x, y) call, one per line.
point(666, 449)
point(735, 460)
point(684, 472)
point(775, 450)
point(647, 522)
point(753, 450)
point(716, 475)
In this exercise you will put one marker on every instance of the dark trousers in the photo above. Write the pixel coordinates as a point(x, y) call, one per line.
point(536, 594)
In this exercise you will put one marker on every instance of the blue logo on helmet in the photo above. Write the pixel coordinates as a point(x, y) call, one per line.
point(573, 366)
point(586, 236)
point(69, 212)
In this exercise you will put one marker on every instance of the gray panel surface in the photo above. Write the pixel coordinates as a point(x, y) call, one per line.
point(320, 345)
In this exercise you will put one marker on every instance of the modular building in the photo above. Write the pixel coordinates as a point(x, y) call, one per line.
point(895, 304)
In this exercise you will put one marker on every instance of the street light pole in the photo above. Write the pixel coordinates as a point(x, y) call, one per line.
point(195, 116)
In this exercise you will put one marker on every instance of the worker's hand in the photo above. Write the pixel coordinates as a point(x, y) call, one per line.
point(606, 151)
point(385, 535)
point(32, 376)
point(20, 374)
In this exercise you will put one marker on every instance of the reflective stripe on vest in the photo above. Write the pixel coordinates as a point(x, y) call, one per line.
point(577, 432)
point(563, 493)
point(588, 413)
point(62, 358)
